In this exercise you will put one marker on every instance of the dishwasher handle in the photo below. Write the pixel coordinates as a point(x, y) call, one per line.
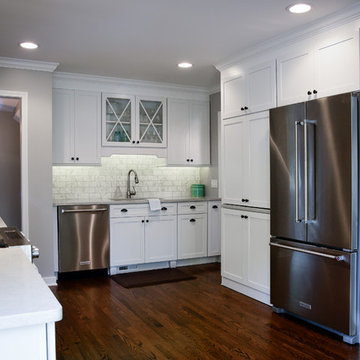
point(64, 211)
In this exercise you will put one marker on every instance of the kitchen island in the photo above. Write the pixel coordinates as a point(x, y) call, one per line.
point(28, 309)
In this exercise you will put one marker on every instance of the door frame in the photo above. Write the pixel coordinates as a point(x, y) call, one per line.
point(23, 96)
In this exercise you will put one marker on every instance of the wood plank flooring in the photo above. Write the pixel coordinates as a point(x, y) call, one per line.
point(194, 319)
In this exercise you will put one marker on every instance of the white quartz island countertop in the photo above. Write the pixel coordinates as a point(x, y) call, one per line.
point(25, 299)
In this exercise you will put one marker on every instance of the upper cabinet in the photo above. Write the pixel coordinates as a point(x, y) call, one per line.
point(133, 121)
point(253, 91)
point(76, 127)
point(189, 132)
point(326, 67)
point(246, 160)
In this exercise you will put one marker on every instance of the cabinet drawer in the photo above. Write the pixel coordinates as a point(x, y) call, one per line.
point(195, 207)
point(166, 209)
point(126, 210)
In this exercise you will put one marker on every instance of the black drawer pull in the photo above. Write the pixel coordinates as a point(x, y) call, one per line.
point(244, 216)
point(192, 220)
point(142, 221)
point(164, 208)
point(124, 210)
point(147, 221)
point(192, 207)
point(215, 207)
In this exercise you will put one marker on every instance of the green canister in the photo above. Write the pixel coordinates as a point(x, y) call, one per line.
point(197, 190)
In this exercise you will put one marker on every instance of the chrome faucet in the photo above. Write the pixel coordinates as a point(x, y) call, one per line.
point(130, 193)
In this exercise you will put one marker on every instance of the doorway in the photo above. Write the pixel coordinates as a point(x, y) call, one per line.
point(14, 160)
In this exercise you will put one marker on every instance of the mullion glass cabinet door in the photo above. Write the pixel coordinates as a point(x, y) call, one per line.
point(118, 125)
point(151, 121)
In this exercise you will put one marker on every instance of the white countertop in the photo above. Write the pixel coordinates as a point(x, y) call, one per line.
point(25, 299)
point(2, 223)
point(131, 201)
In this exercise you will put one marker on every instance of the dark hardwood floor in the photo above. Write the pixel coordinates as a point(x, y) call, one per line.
point(194, 319)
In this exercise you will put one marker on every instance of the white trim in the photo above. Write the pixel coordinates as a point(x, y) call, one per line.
point(24, 157)
point(245, 290)
point(28, 64)
point(60, 77)
point(50, 280)
point(350, 14)
point(214, 89)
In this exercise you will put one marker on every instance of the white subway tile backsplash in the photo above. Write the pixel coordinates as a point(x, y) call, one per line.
point(100, 182)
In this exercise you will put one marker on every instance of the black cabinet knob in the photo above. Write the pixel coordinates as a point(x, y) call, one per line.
point(246, 200)
point(246, 108)
point(142, 221)
point(242, 109)
point(215, 207)
point(314, 91)
point(191, 160)
point(192, 220)
point(138, 142)
point(192, 207)
point(72, 158)
point(242, 200)
point(147, 221)
point(309, 92)
point(244, 216)
point(164, 208)
point(77, 159)
point(133, 142)
point(124, 210)
point(187, 160)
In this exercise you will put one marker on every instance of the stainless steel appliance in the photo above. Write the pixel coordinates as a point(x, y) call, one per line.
point(83, 237)
point(13, 237)
point(314, 212)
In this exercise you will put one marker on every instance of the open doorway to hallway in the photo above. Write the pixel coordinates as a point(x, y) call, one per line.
point(10, 161)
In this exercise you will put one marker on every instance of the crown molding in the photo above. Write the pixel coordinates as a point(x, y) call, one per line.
point(28, 64)
point(350, 14)
point(105, 80)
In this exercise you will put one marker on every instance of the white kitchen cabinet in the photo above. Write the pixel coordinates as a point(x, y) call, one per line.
point(150, 236)
point(76, 127)
point(252, 91)
point(189, 132)
point(160, 238)
point(245, 252)
point(246, 161)
point(133, 121)
point(192, 229)
point(324, 67)
point(192, 236)
point(214, 228)
point(127, 241)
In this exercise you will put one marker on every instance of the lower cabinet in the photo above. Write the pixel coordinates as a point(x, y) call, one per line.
point(245, 253)
point(192, 236)
point(142, 239)
point(214, 228)
point(127, 241)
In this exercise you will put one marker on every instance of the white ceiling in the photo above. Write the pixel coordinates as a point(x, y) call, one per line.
point(145, 39)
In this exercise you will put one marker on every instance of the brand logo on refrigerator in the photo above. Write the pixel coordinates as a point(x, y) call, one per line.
point(305, 305)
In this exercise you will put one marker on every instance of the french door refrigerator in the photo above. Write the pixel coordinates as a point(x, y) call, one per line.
point(314, 212)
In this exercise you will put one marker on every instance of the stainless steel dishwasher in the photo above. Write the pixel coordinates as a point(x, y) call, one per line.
point(83, 237)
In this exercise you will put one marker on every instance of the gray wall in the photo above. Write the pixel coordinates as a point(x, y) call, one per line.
point(38, 85)
point(10, 181)
point(212, 172)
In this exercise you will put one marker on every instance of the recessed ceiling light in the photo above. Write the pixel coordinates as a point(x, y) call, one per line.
point(184, 65)
point(299, 8)
point(29, 45)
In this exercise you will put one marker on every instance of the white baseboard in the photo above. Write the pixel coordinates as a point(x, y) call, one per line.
point(50, 281)
point(245, 290)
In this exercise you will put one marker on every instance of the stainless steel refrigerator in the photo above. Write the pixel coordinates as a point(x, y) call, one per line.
point(314, 212)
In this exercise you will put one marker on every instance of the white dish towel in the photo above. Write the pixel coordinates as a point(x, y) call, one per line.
point(154, 204)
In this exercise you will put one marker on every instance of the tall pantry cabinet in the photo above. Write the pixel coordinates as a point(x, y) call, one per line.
point(318, 63)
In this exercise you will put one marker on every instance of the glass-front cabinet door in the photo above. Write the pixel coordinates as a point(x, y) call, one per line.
point(151, 121)
point(118, 127)
point(133, 121)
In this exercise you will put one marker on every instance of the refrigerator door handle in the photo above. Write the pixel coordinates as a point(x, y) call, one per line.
point(306, 210)
point(334, 257)
point(297, 218)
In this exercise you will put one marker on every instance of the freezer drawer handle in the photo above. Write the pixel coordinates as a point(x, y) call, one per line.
point(63, 211)
point(334, 257)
